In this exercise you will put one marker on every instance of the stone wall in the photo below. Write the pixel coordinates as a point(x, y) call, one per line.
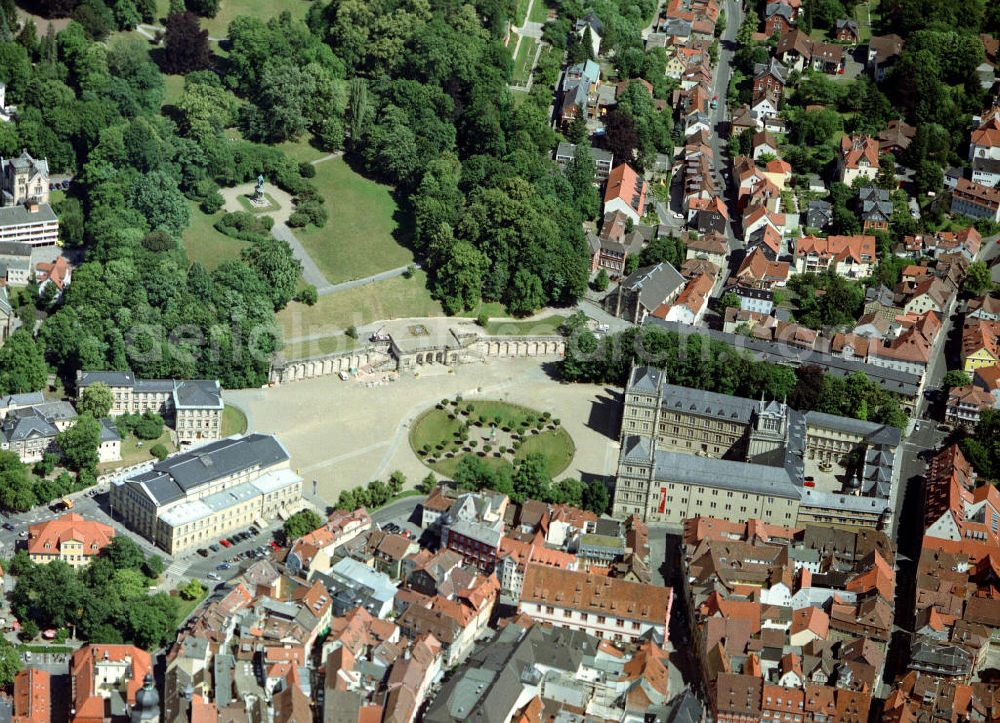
point(474, 348)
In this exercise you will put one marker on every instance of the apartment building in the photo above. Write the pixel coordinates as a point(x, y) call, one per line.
point(606, 607)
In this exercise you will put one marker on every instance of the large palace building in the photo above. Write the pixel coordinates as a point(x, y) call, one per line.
point(686, 452)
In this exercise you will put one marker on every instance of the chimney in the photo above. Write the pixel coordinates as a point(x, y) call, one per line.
point(32, 206)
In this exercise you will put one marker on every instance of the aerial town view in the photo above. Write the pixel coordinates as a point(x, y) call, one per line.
point(499, 361)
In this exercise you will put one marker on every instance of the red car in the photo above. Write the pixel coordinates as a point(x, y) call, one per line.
point(225, 543)
point(275, 545)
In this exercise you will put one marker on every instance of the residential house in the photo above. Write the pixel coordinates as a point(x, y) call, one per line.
point(896, 138)
point(767, 239)
point(15, 263)
point(988, 378)
point(876, 208)
point(758, 272)
point(692, 302)
point(106, 678)
point(846, 30)
point(931, 294)
point(31, 432)
point(774, 124)
point(828, 58)
point(794, 49)
point(979, 344)
point(566, 153)
point(985, 307)
point(757, 217)
point(765, 104)
point(965, 404)
point(612, 247)
point(779, 18)
point(580, 84)
point(626, 192)
point(742, 121)
point(594, 25)
point(70, 538)
point(711, 246)
point(314, 552)
point(754, 300)
point(353, 584)
point(390, 553)
point(32, 693)
point(708, 216)
point(912, 350)
point(972, 199)
point(57, 274)
point(763, 144)
point(883, 52)
point(517, 555)
point(858, 157)
point(819, 214)
point(770, 78)
point(853, 257)
point(644, 292)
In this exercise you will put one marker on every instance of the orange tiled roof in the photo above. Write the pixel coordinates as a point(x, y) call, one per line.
point(601, 595)
point(841, 248)
point(45, 538)
point(32, 696)
point(855, 149)
point(626, 185)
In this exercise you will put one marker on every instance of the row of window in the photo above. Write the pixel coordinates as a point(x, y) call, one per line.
point(586, 617)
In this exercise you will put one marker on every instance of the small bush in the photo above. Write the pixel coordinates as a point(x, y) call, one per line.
point(351, 331)
point(298, 219)
point(159, 451)
point(307, 170)
point(308, 296)
point(212, 203)
point(483, 319)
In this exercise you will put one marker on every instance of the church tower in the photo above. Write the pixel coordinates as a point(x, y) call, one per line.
point(768, 434)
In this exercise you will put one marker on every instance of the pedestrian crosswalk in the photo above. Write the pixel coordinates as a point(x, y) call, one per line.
point(177, 567)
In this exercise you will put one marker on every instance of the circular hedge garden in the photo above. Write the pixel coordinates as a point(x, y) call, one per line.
point(498, 432)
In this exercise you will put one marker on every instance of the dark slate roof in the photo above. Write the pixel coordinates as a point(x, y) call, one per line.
point(175, 477)
point(25, 424)
point(198, 393)
point(112, 379)
point(645, 379)
point(22, 400)
point(727, 474)
point(12, 248)
point(875, 203)
point(654, 283)
point(772, 67)
point(109, 432)
point(21, 216)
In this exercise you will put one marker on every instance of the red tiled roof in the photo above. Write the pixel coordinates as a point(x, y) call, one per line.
point(45, 538)
point(625, 184)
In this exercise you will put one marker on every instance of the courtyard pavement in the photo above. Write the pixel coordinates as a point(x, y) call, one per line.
point(343, 434)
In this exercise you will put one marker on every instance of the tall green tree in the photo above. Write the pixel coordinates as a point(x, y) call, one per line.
point(79, 443)
point(97, 399)
point(22, 364)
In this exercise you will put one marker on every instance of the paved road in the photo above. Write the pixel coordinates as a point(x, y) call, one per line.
point(723, 72)
point(354, 283)
point(310, 271)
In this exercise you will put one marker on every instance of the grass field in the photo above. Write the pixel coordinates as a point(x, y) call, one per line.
point(359, 238)
point(186, 607)
point(234, 421)
point(548, 325)
point(521, 12)
point(245, 202)
point(206, 245)
point(437, 432)
point(301, 150)
point(539, 12)
point(524, 61)
point(228, 9)
point(318, 347)
point(132, 453)
point(175, 88)
point(391, 299)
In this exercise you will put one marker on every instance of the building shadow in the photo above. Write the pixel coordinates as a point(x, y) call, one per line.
point(605, 413)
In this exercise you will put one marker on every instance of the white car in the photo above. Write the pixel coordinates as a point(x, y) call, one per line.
point(677, 215)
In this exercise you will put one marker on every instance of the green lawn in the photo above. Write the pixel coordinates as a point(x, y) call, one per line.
point(175, 89)
point(391, 299)
point(319, 347)
point(301, 150)
point(539, 12)
point(245, 202)
point(548, 325)
point(490, 308)
point(203, 243)
point(521, 12)
point(135, 450)
point(228, 9)
point(524, 61)
point(186, 607)
point(861, 14)
point(437, 432)
point(360, 237)
point(234, 421)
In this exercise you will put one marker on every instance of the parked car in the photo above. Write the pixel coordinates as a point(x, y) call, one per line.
point(203, 552)
point(65, 184)
point(222, 566)
point(9, 527)
point(225, 543)
point(275, 545)
point(213, 576)
point(213, 548)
